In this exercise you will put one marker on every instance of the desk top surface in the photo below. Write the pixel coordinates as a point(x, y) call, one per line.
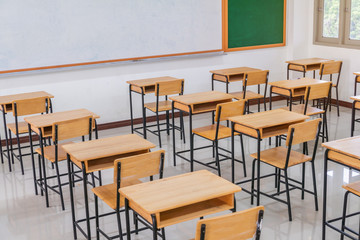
point(355, 98)
point(270, 118)
point(202, 97)
point(49, 119)
point(177, 191)
point(347, 146)
point(297, 83)
point(150, 81)
point(357, 73)
point(23, 96)
point(308, 61)
point(234, 71)
point(107, 147)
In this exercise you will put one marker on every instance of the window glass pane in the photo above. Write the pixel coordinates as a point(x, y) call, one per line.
point(331, 18)
point(355, 20)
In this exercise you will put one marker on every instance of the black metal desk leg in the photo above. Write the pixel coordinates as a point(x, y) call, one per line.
point(32, 159)
point(143, 112)
point(153, 217)
point(41, 140)
point(191, 141)
point(173, 132)
point(352, 119)
point(71, 195)
point(258, 169)
point(86, 201)
point(131, 111)
point(127, 218)
point(232, 154)
point(6, 137)
point(325, 194)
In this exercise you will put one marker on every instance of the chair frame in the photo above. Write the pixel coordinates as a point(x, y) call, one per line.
point(285, 176)
point(336, 86)
point(344, 216)
point(167, 123)
point(216, 147)
point(42, 180)
point(258, 227)
point(258, 91)
point(117, 211)
point(17, 134)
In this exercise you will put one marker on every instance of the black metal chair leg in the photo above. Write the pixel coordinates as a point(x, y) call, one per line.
point(303, 182)
point(11, 153)
point(40, 175)
point(217, 157)
point(119, 224)
point(344, 214)
point(314, 186)
point(20, 154)
point(60, 188)
point(288, 194)
point(337, 101)
point(243, 154)
point(252, 181)
point(163, 233)
point(167, 123)
point(97, 217)
point(182, 126)
point(158, 127)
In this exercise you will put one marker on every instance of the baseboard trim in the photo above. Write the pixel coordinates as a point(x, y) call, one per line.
point(124, 123)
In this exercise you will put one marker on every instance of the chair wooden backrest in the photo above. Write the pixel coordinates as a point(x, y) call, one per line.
point(318, 91)
point(169, 87)
point(230, 109)
point(235, 226)
point(72, 128)
point(303, 132)
point(256, 77)
point(139, 166)
point(330, 67)
point(29, 106)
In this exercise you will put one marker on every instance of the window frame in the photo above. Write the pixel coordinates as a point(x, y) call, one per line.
point(343, 39)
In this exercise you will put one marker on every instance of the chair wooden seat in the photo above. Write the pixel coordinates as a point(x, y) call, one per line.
point(249, 95)
point(49, 152)
point(277, 157)
point(163, 106)
point(209, 132)
point(22, 127)
point(310, 111)
point(353, 188)
point(107, 193)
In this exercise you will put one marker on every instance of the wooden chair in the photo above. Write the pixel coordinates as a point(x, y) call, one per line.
point(254, 78)
point(330, 68)
point(240, 226)
point(282, 158)
point(64, 130)
point(165, 89)
point(216, 132)
point(353, 188)
point(23, 108)
point(127, 171)
point(320, 93)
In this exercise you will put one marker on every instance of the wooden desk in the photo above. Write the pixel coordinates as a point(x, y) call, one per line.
point(230, 75)
point(177, 199)
point(6, 107)
point(42, 126)
point(292, 88)
point(260, 126)
point(143, 87)
point(357, 80)
point(305, 65)
point(345, 152)
point(98, 155)
point(194, 104)
point(355, 106)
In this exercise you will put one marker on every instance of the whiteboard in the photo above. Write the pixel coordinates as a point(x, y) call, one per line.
point(37, 33)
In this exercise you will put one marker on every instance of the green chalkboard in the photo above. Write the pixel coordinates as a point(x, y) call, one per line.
point(255, 22)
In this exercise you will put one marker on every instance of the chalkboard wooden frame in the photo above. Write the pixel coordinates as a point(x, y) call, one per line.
point(226, 32)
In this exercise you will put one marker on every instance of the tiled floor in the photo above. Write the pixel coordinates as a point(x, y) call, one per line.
point(23, 215)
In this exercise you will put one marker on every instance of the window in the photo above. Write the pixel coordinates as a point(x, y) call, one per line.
point(337, 23)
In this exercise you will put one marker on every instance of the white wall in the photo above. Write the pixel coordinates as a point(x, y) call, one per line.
point(104, 91)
